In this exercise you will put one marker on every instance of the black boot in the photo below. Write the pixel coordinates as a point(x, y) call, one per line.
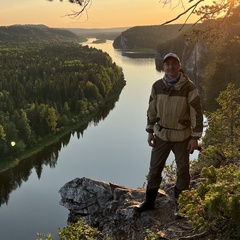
point(148, 204)
point(176, 214)
point(177, 192)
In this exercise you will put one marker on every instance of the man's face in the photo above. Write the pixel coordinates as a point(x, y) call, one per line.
point(171, 67)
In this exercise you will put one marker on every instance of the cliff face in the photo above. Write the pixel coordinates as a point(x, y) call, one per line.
point(110, 208)
point(195, 59)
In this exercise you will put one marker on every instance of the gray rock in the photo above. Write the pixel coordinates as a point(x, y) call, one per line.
point(110, 208)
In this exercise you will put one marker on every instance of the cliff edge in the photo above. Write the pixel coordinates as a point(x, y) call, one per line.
point(110, 208)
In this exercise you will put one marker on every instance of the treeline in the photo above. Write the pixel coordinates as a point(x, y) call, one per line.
point(44, 88)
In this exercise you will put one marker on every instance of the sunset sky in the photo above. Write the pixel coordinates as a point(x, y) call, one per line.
point(100, 13)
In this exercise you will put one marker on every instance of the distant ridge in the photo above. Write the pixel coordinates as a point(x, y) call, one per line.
point(30, 33)
point(148, 36)
point(99, 33)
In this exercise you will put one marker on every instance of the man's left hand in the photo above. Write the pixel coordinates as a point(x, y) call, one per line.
point(192, 145)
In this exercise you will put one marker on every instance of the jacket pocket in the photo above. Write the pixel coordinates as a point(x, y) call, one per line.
point(184, 122)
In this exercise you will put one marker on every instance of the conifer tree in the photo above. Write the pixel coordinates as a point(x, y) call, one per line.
point(224, 124)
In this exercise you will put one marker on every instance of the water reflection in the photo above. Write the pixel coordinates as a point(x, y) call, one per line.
point(13, 178)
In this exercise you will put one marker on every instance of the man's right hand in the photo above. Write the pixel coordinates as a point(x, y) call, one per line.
point(151, 139)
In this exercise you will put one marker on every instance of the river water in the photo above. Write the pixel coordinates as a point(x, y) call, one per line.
point(112, 149)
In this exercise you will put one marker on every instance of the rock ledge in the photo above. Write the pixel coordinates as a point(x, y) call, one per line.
point(109, 207)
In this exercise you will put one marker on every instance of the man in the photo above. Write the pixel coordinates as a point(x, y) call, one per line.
point(174, 123)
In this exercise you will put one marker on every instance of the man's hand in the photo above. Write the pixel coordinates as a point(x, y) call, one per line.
point(151, 139)
point(192, 145)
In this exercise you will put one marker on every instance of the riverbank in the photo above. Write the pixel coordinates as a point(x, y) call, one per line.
point(49, 140)
point(45, 142)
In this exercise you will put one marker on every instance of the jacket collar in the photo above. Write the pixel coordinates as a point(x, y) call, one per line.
point(177, 86)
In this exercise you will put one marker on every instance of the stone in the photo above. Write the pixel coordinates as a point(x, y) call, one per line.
point(110, 208)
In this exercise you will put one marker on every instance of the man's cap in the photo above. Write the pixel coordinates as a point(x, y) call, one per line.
point(173, 55)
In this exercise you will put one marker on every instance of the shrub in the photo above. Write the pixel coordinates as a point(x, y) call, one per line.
point(215, 200)
point(76, 231)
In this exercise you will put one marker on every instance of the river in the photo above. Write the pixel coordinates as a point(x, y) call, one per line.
point(113, 149)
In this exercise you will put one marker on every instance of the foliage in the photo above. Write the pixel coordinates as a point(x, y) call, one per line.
point(217, 9)
point(221, 142)
point(79, 230)
point(211, 156)
point(169, 173)
point(224, 124)
point(151, 235)
point(215, 201)
point(42, 236)
point(76, 231)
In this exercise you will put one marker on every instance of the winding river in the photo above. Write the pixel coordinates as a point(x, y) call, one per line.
point(111, 148)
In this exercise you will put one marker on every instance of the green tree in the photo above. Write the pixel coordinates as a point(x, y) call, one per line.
point(66, 109)
point(76, 231)
point(24, 129)
point(2, 141)
point(11, 132)
point(91, 91)
point(52, 119)
point(224, 124)
point(216, 201)
point(2, 133)
point(81, 107)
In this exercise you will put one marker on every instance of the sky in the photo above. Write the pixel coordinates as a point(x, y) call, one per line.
point(99, 14)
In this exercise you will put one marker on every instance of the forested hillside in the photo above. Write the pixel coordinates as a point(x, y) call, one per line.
point(147, 36)
point(35, 33)
point(46, 87)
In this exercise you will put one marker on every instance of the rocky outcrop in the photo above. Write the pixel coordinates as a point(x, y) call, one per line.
point(110, 208)
point(197, 59)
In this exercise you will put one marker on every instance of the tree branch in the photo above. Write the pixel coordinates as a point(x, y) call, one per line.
point(83, 3)
point(183, 13)
point(188, 18)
